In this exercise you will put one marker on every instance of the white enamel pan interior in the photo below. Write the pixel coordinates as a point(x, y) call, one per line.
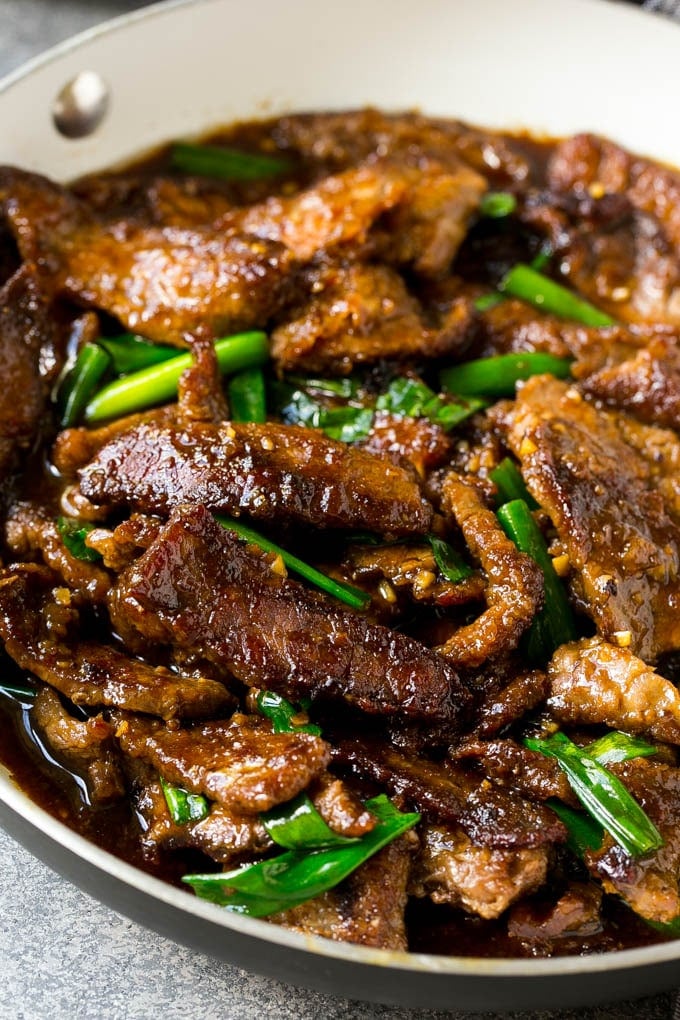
point(179, 69)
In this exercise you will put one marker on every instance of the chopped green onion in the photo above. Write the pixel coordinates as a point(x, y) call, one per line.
point(583, 832)
point(618, 746)
point(554, 624)
point(130, 353)
point(450, 563)
point(184, 806)
point(497, 376)
point(73, 534)
point(670, 929)
point(346, 593)
point(158, 383)
point(543, 293)
point(602, 794)
point(279, 883)
point(282, 715)
point(228, 164)
point(327, 387)
point(508, 480)
point(13, 690)
point(81, 382)
point(414, 399)
point(297, 825)
point(497, 204)
point(540, 261)
point(248, 396)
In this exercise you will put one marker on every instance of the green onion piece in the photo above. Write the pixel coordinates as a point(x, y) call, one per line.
point(540, 261)
point(248, 396)
point(184, 806)
point(282, 882)
point(297, 825)
point(497, 204)
point(282, 715)
point(130, 353)
point(13, 690)
point(347, 424)
point(497, 376)
point(602, 794)
point(81, 382)
point(327, 387)
point(158, 383)
point(554, 624)
point(508, 480)
point(73, 534)
point(617, 746)
point(583, 832)
point(346, 593)
point(450, 563)
point(540, 291)
point(671, 929)
point(414, 399)
point(486, 301)
point(228, 164)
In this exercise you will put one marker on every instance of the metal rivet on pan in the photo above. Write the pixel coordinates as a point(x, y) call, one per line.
point(81, 105)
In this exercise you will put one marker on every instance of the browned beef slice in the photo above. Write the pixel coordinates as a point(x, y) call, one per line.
point(358, 314)
point(340, 808)
point(35, 618)
point(118, 548)
point(73, 448)
point(610, 518)
point(199, 392)
point(272, 632)
point(24, 330)
point(417, 441)
point(366, 909)
point(484, 881)
point(500, 708)
point(445, 792)
point(594, 682)
point(271, 472)
point(30, 530)
point(512, 765)
point(83, 744)
point(515, 583)
point(239, 762)
point(648, 884)
point(575, 914)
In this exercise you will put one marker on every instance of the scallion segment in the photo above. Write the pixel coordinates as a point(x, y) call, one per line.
point(73, 534)
point(297, 825)
point(279, 883)
point(554, 625)
point(497, 204)
point(602, 794)
point(248, 396)
point(158, 383)
point(584, 833)
point(498, 376)
point(414, 399)
point(81, 382)
point(618, 746)
point(226, 163)
point(346, 593)
point(130, 353)
point(16, 690)
point(283, 715)
point(529, 285)
point(183, 806)
point(450, 563)
point(508, 480)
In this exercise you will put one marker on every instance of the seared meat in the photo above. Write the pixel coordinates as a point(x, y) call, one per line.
point(512, 765)
point(415, 441)
point(593, 682)
point(239, 762)
point(36, 616)
point(271, 472)
point(575, 914)
point(73, 448)
point(341, 809)
point(500, 708)
point(307, 646)
point(412, 568)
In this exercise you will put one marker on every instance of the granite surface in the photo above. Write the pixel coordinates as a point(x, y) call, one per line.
point(64, 956)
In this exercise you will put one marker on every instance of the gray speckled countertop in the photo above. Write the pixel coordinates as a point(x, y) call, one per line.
point(64, 956)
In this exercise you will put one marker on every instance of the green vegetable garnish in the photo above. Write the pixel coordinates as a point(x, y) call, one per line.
point(583, 832)
point(248, 396)
point(282, 882)
point(130, 353)
point(73, 534)
point(450, 563)
point(282, 715)
point(497, 376)
point(508, 480)
point(81, 382)
point(618, 746)
point(184, 806)
point(414, 399)
point(497, 204)
point(228, 164)
point(15, 690)
point(297, 825)
point(526, 283)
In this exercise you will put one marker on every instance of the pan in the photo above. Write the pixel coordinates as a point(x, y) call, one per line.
point(181, 68)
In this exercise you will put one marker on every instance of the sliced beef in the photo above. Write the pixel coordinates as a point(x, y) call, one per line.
point(272, 632)
point(649, 884)
point(271, 472)
point(490, 816)
point(575, 914)
point(239, 762)
point(515, 583)
point(120, 547)
point(85, 745)
point(415, 441)
point(199, 392)
point(413, 569)
point(482, 880)
point(511, 765)
point(73, 448)
point(610, 517)
point(593, 682)
point(37, 618)
point(367, 909)
point(499, 709)
point(340, 808)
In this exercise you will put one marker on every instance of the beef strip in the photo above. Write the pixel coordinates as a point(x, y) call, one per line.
point(593, 682)
point(482, 880)
point(367, 909)
point(415, 441)
point(36, 617)
point(515, 589)
point(448, 793)
point(649, 884)
point(120, 547)
point(340, 808)
point(610, 518)
point(499, 709)
point(239, 762)
point(271, 472)
point(272, 632)
point(575, 914)
point(83, 744)
point(199, 392)
point(511, 765)
point(73, 448)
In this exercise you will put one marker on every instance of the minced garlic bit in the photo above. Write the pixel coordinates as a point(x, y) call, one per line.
point(62, 596)
point(424, 579)
point(620, 293)
point(561, 564)
point(267, 443)
point(387, 592)
point(527, 447)
point(622, 638)
point(277, 566)
point(596, 189)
